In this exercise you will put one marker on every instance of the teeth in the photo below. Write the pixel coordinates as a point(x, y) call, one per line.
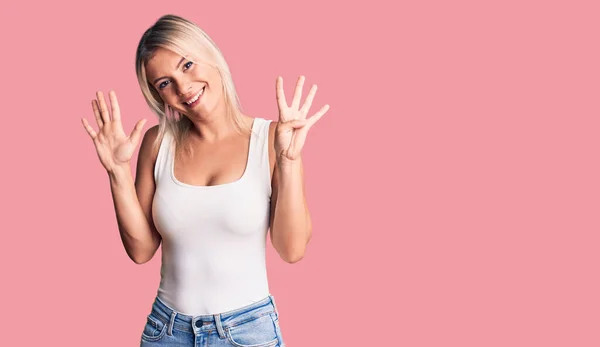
point(196, 97)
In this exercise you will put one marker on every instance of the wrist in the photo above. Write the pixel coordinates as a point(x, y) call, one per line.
point(283, 161)
point(119, 173)
point(288, 167)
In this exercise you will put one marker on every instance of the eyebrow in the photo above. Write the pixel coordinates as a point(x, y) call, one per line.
point(177, 67)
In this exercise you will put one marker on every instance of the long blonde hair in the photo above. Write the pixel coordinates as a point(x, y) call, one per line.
point(187, 39)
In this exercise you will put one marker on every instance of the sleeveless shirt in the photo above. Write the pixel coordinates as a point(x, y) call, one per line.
point(213, 237)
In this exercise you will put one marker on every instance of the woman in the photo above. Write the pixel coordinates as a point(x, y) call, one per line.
point(210, 182)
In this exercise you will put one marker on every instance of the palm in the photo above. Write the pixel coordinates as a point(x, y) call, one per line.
point(113, 146)
point(293, 126)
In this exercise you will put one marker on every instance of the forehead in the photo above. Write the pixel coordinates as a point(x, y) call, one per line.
point(162, 60)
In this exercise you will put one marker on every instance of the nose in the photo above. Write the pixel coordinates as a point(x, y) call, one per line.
point(183, 88)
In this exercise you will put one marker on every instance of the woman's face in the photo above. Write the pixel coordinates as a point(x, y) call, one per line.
point(179, 81)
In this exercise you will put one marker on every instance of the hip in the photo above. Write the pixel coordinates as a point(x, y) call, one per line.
point(255, 325)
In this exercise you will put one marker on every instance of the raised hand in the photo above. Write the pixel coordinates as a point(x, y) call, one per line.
point(113, 146)
point(293, 126)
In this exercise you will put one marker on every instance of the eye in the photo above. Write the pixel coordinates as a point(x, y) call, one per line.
point(187, 66)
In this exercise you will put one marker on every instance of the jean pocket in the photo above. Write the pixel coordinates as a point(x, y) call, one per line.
point(154, 329)
point(258, 332)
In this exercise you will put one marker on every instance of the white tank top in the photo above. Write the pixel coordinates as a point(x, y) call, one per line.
point(214, 237)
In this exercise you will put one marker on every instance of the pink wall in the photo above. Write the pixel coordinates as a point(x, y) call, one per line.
point(453, 184)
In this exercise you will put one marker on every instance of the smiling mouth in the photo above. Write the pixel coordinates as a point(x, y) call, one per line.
point(196, 99)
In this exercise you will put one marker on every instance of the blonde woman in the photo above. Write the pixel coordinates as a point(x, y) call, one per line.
point(210, 183)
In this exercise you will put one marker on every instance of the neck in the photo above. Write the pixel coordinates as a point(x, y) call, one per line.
point(213, 127)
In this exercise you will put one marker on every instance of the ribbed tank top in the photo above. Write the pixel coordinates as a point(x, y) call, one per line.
point(214, 237)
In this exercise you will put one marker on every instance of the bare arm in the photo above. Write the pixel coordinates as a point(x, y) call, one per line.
point(291, 226)
point(133, 203)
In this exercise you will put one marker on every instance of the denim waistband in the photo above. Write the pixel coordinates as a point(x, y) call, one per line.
point(207, 323)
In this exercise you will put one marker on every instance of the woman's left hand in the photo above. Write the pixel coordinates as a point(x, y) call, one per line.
point(293, 126)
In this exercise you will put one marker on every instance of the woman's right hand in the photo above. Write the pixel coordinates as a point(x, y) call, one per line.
point(113, 146)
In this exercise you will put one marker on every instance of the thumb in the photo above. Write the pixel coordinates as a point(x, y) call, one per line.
point(295, 124)
point(137, 132)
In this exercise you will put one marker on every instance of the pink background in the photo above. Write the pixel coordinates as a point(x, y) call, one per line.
point(454, 184)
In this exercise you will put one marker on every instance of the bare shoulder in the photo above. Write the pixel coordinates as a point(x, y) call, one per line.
point(149, 152)
point(144, 178)
point(272, 127)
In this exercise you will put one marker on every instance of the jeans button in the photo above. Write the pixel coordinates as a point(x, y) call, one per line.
point(198, 324)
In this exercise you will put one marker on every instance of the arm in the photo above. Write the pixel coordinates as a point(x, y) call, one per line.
point(291, 226)
point(133, 203)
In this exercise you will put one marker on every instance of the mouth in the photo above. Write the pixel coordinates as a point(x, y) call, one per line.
point(195, 99)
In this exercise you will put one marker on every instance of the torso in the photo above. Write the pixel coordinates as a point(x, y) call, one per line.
point(212, 211)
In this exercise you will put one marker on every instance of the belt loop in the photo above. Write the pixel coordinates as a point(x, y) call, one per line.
point(171, 323)
point(274, 305)
point(219, 325)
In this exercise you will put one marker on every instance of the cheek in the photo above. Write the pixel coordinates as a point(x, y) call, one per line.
point(215, 82)
point(215, 91)
point(217, 88)
point(172, 101)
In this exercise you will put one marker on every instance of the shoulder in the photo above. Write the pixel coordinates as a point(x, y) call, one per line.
point(144, 178)
point(272, 126)
point(149, 147)
point(271, 130)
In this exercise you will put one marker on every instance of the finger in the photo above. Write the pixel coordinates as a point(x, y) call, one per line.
point(97, 114)
point(116, 110)
point(308, 101)
point(88, 128)
point(114, 104)
point(103, 108)
point(297, 142)
point(298, 93)
point(312, 120)
point(294, 124)
point(281, 103)
point(136, 134)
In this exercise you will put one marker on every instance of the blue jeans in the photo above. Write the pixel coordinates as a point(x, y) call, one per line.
point(255, 325)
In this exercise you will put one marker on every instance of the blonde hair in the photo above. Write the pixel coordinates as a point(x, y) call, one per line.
point(187, 39)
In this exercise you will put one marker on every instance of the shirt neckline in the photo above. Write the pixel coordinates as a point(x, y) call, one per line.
point(222, 185)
